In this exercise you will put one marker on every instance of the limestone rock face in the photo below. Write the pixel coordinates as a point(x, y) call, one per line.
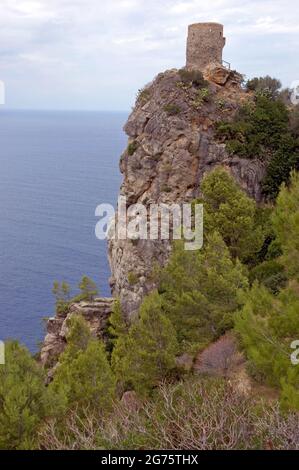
point(218, 74)
point(95, 312)
point(172, 145)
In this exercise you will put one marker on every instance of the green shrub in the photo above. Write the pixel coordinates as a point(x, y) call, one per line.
point(257, 130)
point(268, 323)
point(221, 103)
point(285, 221)
point(24, 400)
point(88, 290)
point(271, 274)
point(172, 109)
point(266, 86)
point(132, 147)
point(202, 96)
point(193, 78)
point(284, 160)
point(265, 130)
point(143, 96)
point(84, 377)
point(132, 278)
point(117, 325)
point(199, 292)
point(229, 211)
point(61, 292)
point(144, 356)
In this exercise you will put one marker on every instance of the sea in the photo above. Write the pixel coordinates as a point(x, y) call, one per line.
point(55, 168)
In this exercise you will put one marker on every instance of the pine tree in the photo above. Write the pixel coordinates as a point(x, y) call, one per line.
point(267, 325)
point(144, 356)
point(286, 225)
point(24, 399)
point(78, 337)
point(61, 293)
point(117, 324)
point(199, 291)
point(88, 289)
point(84, 377)
point(229, 211)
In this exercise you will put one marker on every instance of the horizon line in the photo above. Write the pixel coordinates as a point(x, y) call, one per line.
point(66, 110)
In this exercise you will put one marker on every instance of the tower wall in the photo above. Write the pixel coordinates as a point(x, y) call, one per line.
point(204, 45)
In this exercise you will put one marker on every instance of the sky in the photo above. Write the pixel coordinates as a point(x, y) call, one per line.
point(96, 54)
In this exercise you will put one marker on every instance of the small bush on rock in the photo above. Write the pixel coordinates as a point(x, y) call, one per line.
point(193, 78)
point(172, 109)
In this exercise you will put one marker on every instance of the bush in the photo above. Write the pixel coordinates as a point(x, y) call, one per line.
point(202, 415)
point(221, 103)
point(88, 289)
point(143, 96)
point(199, 292)
point(193, 78)
point(285, 221)
point(220, 358)
point(172, 109)
point(284, 160)
point(265, 130)
point(266, 86)
point(271, 274)
point(61, 292)
point(144, 356)
point(229, 211)
point(202, 96)
point(84, 377)
point(267, 325)
point(24, 399)
point(257, 130)
point(132, 278)
point(132, 147)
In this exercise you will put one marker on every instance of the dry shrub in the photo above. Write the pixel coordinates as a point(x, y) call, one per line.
point(207, 414)
point(220, 358)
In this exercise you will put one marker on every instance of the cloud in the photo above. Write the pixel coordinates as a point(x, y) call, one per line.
point(52, 50)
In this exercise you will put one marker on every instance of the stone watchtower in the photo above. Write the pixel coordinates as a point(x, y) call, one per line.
point(204, 45)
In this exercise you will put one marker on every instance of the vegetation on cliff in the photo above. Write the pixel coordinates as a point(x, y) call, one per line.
point(265, 128)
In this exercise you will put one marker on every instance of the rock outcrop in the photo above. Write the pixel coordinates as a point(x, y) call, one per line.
point(95, 312)
point(172, 145)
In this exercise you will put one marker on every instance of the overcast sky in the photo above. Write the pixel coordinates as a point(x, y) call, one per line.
point(96, 54)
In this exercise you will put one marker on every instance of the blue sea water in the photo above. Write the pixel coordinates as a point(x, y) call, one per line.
point(55, 168)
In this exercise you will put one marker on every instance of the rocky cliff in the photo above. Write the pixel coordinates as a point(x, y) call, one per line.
point(95, 312)
point(172, 145)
